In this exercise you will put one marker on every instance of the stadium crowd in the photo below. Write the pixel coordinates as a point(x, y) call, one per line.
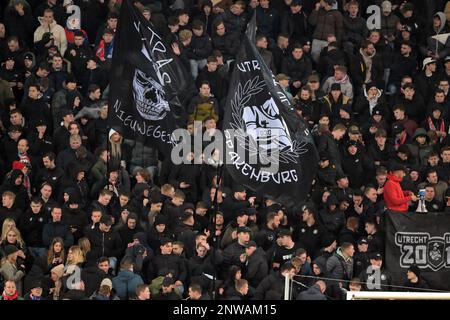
point(88, 214)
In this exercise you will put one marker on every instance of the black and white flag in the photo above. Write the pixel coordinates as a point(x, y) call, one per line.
point(148, 83)
point(268, 146)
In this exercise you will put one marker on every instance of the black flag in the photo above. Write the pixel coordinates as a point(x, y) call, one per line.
point(268, 146)
point(149, 86)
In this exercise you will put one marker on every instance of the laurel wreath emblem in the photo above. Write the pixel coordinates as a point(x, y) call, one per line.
point(242, 96)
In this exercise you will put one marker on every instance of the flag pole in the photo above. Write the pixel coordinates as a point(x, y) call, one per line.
point(214, 210)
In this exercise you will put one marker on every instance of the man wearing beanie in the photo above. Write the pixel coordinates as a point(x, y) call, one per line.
point(415, 282)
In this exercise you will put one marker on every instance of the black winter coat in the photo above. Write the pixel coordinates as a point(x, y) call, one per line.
point(227, 44)
point(31, 226)
point(256, 268)
point(169, 262)
point(297, 70)
point(105, 244)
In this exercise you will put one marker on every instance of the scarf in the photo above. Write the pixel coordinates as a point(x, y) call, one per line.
point(7, 297)
point(368, 62)
point(400, 141)
point(433, 126)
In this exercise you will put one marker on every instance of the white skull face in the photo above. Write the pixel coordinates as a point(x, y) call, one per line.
point(149, 97)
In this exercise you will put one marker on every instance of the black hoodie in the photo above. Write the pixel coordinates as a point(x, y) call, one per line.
point(22, 200)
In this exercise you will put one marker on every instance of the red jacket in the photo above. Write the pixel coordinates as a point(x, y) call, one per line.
point(394, 197)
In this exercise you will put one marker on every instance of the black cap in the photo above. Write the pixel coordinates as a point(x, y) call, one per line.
point(252, 211)
point(40, 123)
point(239, 188)
point(28, 56)
point(414, 269)
point(335, 86)
point(377, 110)
point(283, 232)
point(243, 229)
point(106, 219)
point(168, 281)
point(36, 283)
point(249, 244)
point(352, 143)
point(363, 240)
point(160, 219)
point(398, 128)
point(8, 57)
point(376, 256)
point(346, 107)
point(10, 249)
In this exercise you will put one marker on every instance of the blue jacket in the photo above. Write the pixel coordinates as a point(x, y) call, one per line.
point(125, 284)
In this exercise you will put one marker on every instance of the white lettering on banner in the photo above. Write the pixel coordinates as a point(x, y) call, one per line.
point(247, 66)
point(257, 175)
point(423, 250)
point(142, 127)
point(154, 45)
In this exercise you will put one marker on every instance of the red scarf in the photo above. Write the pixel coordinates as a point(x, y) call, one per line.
point(433, 127)
point(13, 297)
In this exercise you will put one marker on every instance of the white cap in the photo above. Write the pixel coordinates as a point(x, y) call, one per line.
point(427, 61)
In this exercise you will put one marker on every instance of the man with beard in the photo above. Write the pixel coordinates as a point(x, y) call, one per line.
point(309, 234)
point(266, 237)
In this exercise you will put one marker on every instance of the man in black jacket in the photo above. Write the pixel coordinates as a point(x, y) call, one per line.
point(105, 242)
point(234, 254)
point(309, 234)
point(168, 260)
point(272, 286)
point(31, 225)
point(255, 264)
point(50, 173)
point(236, 202)
point(186, 234)
point(56, 228)
point(267, 236)
point(328, 142)
point(295, 23)
point(298, 67)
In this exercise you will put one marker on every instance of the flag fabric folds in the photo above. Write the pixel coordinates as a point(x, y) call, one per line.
point(269, 148)
point(149, 85)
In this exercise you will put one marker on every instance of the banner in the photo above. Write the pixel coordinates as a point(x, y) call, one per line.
point(268, 146)
point(422, 239)
point(149, 86)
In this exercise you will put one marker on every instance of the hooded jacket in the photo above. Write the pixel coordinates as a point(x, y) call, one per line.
point(22, 200)
point(394, 197)
point(442, 49)
point(57, 31)
point(125, 284)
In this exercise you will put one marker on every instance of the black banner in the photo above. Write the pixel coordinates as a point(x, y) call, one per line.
point(422, 239)
point(149, 85)
point(269, 148)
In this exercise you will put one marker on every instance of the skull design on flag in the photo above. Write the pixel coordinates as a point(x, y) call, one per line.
point(148, 92)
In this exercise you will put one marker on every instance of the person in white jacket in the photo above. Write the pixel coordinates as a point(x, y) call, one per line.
point(48, 24)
